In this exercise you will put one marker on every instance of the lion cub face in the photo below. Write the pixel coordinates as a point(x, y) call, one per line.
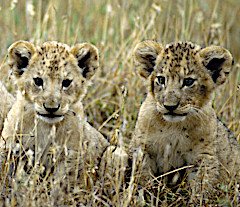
point(52, 78)
point(182, 76)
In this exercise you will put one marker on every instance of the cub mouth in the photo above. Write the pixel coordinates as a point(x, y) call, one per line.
point(50, 118)
point(175, 114)
point(50, 115)
point(174, 117)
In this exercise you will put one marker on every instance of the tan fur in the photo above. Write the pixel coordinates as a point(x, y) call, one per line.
point(48, 113)
point(6, 102)
point(177, 125)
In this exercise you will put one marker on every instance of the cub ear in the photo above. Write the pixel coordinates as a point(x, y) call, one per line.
point(218, 61)
point(19, 55)
point(87, 57)
point(145, 54)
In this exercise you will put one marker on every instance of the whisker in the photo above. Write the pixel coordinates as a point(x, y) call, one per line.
point(198, 112)
point(71, 112)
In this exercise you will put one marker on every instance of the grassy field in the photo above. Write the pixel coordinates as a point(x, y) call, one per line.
point(113, 100)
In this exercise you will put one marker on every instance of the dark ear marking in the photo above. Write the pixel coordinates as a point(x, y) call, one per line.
point(215, 66)
point(215, 63)
point(218, 62)
point(150, 58)
point(82, 64)
point(19, 55)
point(87, 58)
point(23, 61)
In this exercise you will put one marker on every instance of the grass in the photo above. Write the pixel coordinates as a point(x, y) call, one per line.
point(112, 102)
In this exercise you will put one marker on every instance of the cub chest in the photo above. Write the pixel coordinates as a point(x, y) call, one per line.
point(170, 149)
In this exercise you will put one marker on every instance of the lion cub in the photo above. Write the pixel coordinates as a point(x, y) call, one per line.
point(177, 125)
point(47, 117)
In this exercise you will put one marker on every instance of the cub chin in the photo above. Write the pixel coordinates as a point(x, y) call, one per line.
point(177, 125)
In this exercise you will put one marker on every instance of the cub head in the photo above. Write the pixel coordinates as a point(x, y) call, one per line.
point(182, 76)
point(52, 78)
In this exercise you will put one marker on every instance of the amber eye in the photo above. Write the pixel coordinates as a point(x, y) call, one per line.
point(188, 81)
point(66, 83)
point(38, 81)
point(161, 80)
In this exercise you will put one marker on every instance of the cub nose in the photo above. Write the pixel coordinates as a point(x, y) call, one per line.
point(51, 109)
point(171, 107)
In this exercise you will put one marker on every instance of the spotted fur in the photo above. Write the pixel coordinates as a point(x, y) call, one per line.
point(177, 125)
point(47, 116)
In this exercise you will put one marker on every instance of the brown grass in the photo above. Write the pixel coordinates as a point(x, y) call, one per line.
point(113, 101)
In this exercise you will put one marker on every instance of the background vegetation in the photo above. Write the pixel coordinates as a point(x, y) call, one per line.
point(112, 102)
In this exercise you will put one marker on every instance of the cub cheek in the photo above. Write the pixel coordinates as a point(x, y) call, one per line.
point(24, 87)
point(64, 107)
point(157, 90)
point(191, 91)
point(35, 90)
point(37, 105)
point(159, 97)
point(67, 92)
point(202, 90)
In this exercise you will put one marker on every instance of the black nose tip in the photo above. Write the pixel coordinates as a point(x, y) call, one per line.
point(171, 107)
point(50, 109)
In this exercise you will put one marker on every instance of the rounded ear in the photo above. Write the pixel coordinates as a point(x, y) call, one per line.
point(145, 54)
point(218, 61)
point(87, 57)
point(19, 55)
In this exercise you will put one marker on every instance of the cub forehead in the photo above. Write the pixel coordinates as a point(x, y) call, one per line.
point(53, 50)
point(54, 46)
point(188, 48)
point(53, 56)
point(178, 56)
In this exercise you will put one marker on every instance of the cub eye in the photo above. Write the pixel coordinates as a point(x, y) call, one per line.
point(38, 81)
point(188, 81)
point(66, 83)
point(161, 80)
